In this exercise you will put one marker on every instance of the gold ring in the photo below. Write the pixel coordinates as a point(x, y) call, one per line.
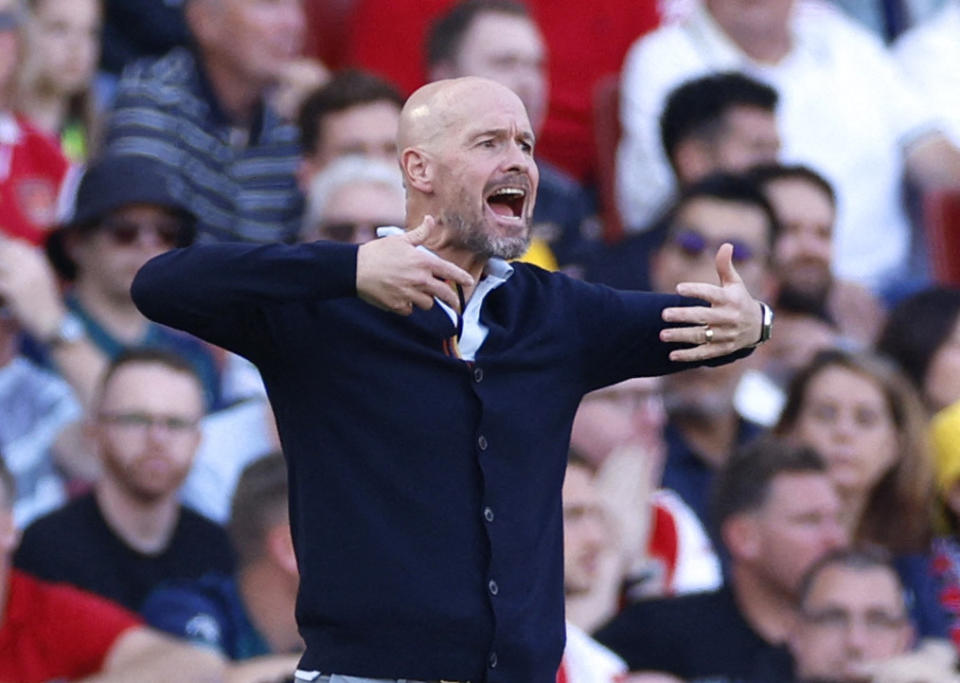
point(708, 334)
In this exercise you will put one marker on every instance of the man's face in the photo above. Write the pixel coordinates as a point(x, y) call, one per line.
point(368, 130)
point(797, 525)
point(109, 256)
point(850, 617)
point(630, 412)
point(354, 211)
point(147, 428)
point(701, 226)
point(254, 39)
point(509, 50)
point(584, 530)
point(486, 179)
point(803, 249)
point(66, 37)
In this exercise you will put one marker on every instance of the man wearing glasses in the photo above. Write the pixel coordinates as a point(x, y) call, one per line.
point(131, 532)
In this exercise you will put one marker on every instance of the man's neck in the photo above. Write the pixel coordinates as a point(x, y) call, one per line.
point(269, 595)
point(711, 438)
point(144, 526)
point(769, 611)
point(237, 96)
point(766, 43)
point(46, 109)
point(117, 315)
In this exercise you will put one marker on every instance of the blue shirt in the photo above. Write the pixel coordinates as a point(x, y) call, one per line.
point(424, 490)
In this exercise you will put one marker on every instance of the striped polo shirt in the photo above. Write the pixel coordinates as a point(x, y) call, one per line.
point(238, 181)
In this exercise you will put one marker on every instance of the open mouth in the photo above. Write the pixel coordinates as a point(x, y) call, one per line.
point(507, 202)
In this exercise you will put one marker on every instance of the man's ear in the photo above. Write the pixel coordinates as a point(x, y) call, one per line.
point(418, 169)
point(280, 547)
point(742, 537)
point(692, 160)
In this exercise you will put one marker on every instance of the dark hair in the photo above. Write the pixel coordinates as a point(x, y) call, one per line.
point(897, 513)
point(744, 482)
point(150, 356)
point(446, 33)
point(7, 483)
point(730, 187)
point(259, 502)
point(916, 328)
point(857, 559)
point(763, 174)
point(348, 88)
point(696, 108)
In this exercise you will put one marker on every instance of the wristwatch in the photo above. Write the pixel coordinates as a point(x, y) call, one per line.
point(70, 329)
point(766, 323)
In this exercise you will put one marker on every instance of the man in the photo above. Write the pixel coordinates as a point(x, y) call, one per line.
point(202, 114)
point(354, 113)
point(703, 424)
point(499, 40)
point(806, 207)
point(777, 512)
point(459, 483)
point(586, 536)
point(830, 74)
point(247, 617)
point(56, 632)
point(131, 532)
point(854, 625)
point(351, 198)
point(720, 122)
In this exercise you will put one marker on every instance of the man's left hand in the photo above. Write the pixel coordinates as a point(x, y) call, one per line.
point(731, 322)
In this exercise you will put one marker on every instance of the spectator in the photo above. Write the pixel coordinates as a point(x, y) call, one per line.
point(355, 113)
point(126, 212)
point(585, 538)
point(132, 533)
point(247, 617)
point(854, 625)
point(703, 425)
point(55, 632)
point(806, 207)
point(202, 114)
point(828, 71)
point(866, 421)
point(945, 437)
point(38, 408)
point(777, 513)
point(926, 54)
point(56, 88)
point(922, 335)
point(499, 40)
point(35, 169)
point(351, 198)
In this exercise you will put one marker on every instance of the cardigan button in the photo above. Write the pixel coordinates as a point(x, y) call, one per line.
point(482, 442)
point(488, 514)
point(494, 588)
point(492, 660)
point(478, 375)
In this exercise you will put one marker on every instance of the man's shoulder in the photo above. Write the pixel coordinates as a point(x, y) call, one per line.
point(76, 515)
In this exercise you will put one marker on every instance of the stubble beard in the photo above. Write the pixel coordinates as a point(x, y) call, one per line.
point(472, 236)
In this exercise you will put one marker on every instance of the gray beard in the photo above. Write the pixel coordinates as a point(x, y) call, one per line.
point(471, 236)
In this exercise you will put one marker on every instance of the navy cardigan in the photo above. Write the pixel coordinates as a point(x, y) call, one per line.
point(424, 490)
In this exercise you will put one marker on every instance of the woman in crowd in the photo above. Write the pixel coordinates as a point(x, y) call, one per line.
point(922, 336)
point(867, 422)
point(56, 91)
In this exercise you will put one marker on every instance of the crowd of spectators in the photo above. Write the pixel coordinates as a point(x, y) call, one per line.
point(792, 516)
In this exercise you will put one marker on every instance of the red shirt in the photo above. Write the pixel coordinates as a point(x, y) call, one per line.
point(584, 43)
point(32, 170)
point(51, 631)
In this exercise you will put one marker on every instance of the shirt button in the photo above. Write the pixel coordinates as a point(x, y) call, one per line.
point(492, 660)
point(482, 442)
point(488, 514)
point(478, 375)
point(494, 588)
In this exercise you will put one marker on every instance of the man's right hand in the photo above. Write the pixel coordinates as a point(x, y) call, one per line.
point(393, 274)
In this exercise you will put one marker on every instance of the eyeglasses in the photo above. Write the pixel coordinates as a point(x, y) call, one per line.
point(874, 621)
point(144, 421)
point(693, 244)
point(351, 231)
point(125, 233)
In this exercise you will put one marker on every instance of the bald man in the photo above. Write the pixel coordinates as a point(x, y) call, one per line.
point(424, 390)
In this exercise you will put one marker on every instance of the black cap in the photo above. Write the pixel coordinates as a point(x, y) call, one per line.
point(111, 183)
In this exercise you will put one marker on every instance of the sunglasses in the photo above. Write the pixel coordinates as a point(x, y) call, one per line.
point(348, 231)
point(693, 244)
point(125, 233)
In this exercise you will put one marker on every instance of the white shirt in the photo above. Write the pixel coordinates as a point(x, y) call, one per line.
point(587, 661)
point(844, 110)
